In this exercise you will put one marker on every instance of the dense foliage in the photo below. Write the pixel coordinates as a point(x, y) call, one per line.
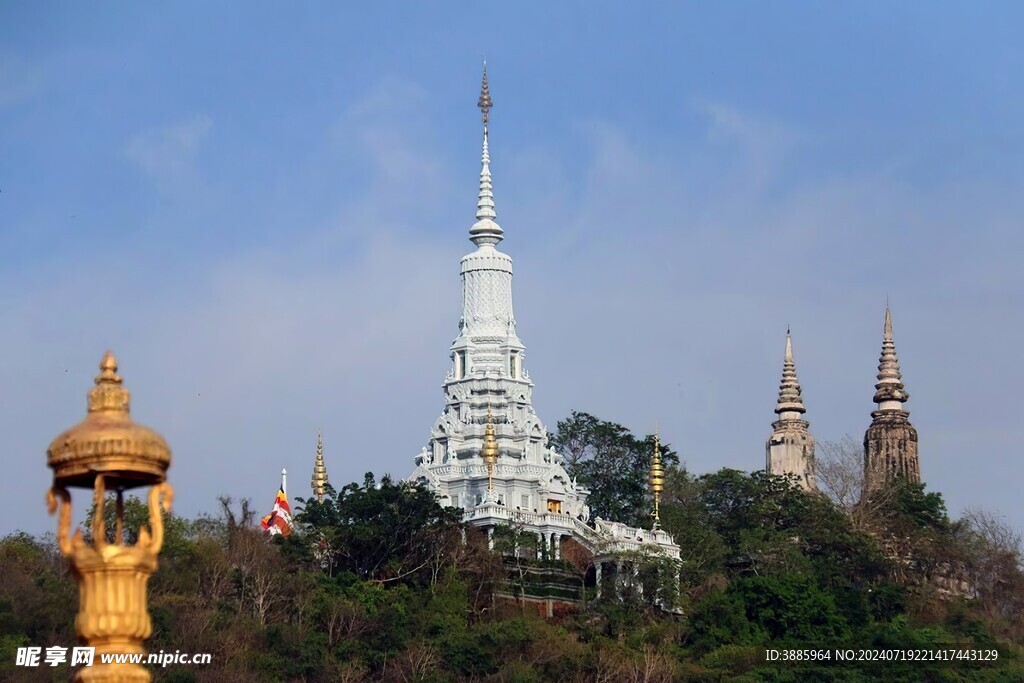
point(612, 463)
point(380, 583)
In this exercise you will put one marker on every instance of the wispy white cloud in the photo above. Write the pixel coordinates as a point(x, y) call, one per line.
point(19, 80)
point(167, 154)
point(763, 144)
point(403, 181)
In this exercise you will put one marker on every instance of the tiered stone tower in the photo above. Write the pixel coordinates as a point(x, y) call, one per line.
point(488, 374)
point(790, 448)
point(890, 443)
point(488, 451)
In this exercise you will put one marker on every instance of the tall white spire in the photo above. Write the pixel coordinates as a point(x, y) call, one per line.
point(486, 230)
point(488, 451)
point(488, 389)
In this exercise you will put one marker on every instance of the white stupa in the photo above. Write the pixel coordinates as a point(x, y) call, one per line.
point(520, 479)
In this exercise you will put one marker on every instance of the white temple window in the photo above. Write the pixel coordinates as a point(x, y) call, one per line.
point(526, 502)
point(455, 500)
point(460, 364)
point(513, 365)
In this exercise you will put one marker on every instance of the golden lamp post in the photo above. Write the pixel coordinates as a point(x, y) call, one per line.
point(108, 451)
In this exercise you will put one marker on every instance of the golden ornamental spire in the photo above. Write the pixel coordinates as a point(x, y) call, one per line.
point(489, 452)
point(105, 451)
point(657, 480)
point(319, 479)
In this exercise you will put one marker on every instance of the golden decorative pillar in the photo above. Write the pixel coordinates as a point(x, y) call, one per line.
point(108, 451)
point(319, 478)
point(489, 452)
point(657, 479)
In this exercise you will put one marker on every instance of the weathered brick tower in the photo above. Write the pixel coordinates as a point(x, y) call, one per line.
point(890, 443)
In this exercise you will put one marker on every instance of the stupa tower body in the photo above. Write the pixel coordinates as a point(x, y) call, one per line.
point(890, 443)
point(790, 448)
point(488, 392)
point(488, 374)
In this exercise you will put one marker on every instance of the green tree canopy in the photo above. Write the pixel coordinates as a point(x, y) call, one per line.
point(612, 463)
point(378, 531)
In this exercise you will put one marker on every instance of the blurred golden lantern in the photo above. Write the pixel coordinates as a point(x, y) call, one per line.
point(108, 451)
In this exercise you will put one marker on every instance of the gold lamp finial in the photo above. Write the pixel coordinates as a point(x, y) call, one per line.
point(109, 394)
point(657, 479)
point(107, 450)
point(489, 452)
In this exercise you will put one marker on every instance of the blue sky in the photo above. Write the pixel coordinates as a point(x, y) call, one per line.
point(261, 210)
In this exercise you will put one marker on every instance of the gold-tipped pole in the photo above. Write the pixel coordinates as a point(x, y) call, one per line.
point(657, 479)
point(105, 451)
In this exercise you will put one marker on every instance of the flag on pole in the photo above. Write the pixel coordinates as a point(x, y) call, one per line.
point(280, 520)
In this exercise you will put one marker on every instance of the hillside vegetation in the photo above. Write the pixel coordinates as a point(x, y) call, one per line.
point(379, 582)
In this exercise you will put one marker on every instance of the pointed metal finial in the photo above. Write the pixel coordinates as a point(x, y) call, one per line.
point(486, 229)
point(485, 103)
